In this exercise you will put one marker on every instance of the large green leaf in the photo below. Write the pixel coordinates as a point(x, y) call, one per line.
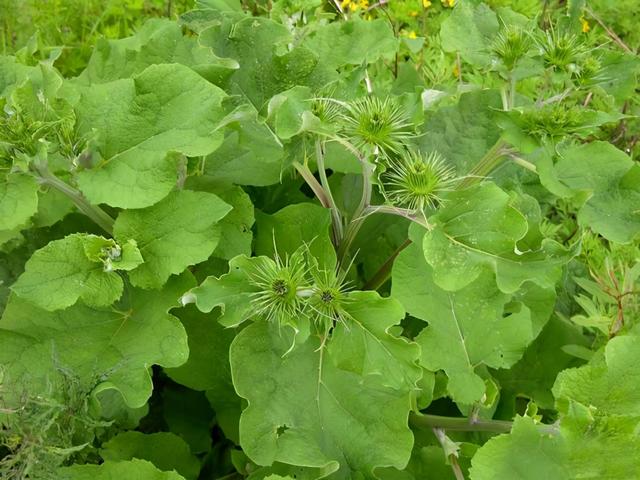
point(158, 41)
point(469, 30)
point(236, 235)
point(608, 383)
point(188, 414)
point(534, 375)
point(232, 292)
point(601, 412)
point(581, 448)
point(524, 454)
point(18, 200)
point(353, 42)
point(207, 367)
point(267, 64)
point(165, 450)
point(251, 154)
point(612, 181)
point(463, 133)
point(109, 347)
point(480, 229)
point(295, 225)
point(600, 417)
point(176, 232)
point(603, 448)
point(12, 72)
point(139, 469)
point(163, 110)
point(290, 113)
point(79, 266)
point(346, 410)
point(220, 5)
point(618, 76)
point(476, 325)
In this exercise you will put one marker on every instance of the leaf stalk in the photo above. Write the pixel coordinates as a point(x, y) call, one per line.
point(315, 186)
point(95, 213)
point(462, 424)
point(487, 164)
point(360, 214)
point(336, 216)
point(384, 272)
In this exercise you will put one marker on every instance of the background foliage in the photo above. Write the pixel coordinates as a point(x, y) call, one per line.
point(307, 239)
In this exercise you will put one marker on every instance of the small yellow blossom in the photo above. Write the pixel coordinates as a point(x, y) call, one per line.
point(412, 34)
point(353, 6)
point(585, 25)
point(363, 4)
point(426, 3)
point(448, 3)
point(413, 13)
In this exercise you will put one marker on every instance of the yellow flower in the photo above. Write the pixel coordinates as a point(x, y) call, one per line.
point(413, 13)
point(363, 4)
point(426, 3)
point(585, 25)
point(345, 3)
point(448, 3)
point(412, 34)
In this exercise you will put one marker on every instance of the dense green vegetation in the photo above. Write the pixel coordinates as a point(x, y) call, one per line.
point(71, 28)
point(305, 239)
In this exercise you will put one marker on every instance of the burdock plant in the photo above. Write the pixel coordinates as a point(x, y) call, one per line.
point(511, 44)
point(278, 281)
point(417, 181)
point(328, 298)
point(378, 125)
point(561, 50)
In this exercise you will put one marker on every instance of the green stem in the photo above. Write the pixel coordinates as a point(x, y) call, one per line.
point(505, 98)
point(359, 215)
point(524, 163)
point(384, 272)
point(95, 213)
point(230, 476)
point(347, 240)
point(453, 457)
point(308, 177)
point(461, 424)
point(400, 212)
point(487, 164)
point(336, 217)
point(365, 199)
point(509, 96)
